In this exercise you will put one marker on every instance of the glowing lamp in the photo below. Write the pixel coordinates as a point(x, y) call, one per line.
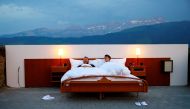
point(60, 53)
point(138, 51)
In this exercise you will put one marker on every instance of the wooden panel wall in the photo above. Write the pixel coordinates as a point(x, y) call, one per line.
point(155, 75)
point(37, 71)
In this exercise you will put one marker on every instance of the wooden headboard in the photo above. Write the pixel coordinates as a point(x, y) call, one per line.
point(94, 58)
point(37, 71)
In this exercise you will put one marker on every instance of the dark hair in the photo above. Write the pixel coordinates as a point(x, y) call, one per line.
point(85, 57)
point(108, 56)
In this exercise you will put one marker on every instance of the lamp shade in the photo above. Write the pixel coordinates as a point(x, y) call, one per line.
point(60, 52)
point(138, 51)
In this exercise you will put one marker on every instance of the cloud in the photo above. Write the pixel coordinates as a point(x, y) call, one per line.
point(18, 12)
point(15, 18)
point(95, 3)
point(60, 22)
point(29, 14)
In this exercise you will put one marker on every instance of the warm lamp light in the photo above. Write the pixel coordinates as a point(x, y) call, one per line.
point(60, 53)
point(138, 51)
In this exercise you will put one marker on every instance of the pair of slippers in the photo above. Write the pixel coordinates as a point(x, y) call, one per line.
point(143, 103)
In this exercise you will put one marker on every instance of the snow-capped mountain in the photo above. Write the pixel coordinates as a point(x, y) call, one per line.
point(87, 30)
point(164, 33)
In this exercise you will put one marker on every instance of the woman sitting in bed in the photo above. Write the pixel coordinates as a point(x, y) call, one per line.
point(86, 63)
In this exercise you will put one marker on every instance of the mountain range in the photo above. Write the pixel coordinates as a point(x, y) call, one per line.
point(85, 30)
point(167, 33)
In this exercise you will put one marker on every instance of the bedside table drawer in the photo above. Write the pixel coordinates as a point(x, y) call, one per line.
point(57, 72)
point(56, 76)
point(139, 73)
point(58, 69)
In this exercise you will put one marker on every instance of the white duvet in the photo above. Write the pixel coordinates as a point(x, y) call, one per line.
point(106, 69)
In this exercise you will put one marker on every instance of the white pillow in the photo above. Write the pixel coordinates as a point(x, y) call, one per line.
point(119, 61)
point(94, 62)
point(75, 63)
point(99, 62)
point(115, 69)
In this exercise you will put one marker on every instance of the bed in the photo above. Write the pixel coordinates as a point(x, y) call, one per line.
point(102, 79)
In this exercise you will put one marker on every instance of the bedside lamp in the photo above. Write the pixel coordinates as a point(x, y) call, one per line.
point(60, 54)
point(138, 52)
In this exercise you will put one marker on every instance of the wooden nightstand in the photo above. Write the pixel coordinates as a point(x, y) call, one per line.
point(139, 71)
point(57, 72)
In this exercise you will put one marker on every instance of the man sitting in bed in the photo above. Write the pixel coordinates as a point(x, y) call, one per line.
point(86, 63)
point(107, 58)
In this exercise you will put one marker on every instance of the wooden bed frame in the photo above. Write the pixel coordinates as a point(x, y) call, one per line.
point(102, 84)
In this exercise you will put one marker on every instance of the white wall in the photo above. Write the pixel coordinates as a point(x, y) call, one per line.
point(15, 55)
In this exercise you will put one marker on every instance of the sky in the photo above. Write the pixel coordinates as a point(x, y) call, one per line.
point(21, 15)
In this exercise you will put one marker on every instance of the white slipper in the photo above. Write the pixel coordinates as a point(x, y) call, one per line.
point(138, 103)
point(144, 103)
point(48, 97)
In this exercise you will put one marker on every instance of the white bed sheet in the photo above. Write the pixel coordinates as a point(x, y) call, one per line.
point(92, 71)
